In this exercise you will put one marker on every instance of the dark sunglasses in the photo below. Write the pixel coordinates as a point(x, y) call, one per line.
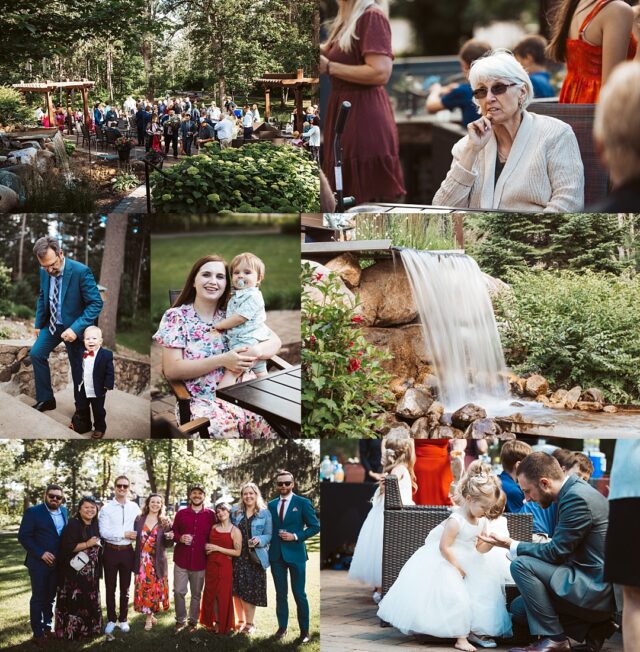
point(496, 89)
point(284, 484)
point(55, 497)
point(122, 486)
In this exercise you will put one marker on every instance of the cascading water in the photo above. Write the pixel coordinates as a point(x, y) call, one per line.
point(459, 326)
point(62, 159)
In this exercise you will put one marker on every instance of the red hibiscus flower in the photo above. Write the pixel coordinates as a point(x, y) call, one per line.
point(357, 319)
point(354, 365)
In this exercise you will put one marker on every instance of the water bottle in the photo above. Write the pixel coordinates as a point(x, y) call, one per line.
point(326, 469)
point(338, 475)
point(334, 463)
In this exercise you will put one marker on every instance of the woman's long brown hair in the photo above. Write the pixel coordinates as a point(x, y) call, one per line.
point(188, 293)
point(560, 25)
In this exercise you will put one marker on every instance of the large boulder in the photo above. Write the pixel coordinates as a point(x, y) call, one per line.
point(45, 161)
point(420, 428)
point(572, 397)
point(536, 385)
point(406, 346)
point(446, 432)
point(414, 404)
point(592, 394)
point(14, 182)
point(26, 156)
point(348, 267)
point(482, 428)
point(30, 177)
point(434, 414)
point(8, 199)
point(386, 295)
point(589, 406)
point(466, 415)
point(322, 272)
point(31, 143)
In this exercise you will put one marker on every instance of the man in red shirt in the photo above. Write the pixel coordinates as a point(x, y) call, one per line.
point(191, 528)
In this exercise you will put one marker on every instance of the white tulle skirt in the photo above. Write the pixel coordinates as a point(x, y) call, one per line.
point(366, 566)
point(431, 597)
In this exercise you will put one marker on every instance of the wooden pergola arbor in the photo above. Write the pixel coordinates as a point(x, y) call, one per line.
point(49, 87)
point(297, 82)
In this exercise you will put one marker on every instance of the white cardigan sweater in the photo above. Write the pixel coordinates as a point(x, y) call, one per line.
point(543, 172)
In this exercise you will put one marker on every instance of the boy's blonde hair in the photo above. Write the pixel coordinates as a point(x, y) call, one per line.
point(96, 328)
point(400, 450)
point(251, 260)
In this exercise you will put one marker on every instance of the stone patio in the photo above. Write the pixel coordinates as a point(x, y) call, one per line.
point(348, 621)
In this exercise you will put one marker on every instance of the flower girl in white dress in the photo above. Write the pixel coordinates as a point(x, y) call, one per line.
point(448, 589)
point(398, 458)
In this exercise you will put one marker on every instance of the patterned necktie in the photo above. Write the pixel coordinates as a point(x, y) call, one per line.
point(53, 319)
point(282, 504)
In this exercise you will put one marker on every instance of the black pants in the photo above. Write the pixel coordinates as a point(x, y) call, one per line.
point(186, 144)
point(142, 136)
point(118, 567)
point(171, 141)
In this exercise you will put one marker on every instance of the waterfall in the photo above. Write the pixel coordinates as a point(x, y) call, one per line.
point(459, 326)
point(61, 158)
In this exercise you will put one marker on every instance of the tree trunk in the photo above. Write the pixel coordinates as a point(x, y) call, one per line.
point(110, 72)
point(167, 491)
point(138, 270)
point(23, 230)
point(151, 471)
point(111, 273)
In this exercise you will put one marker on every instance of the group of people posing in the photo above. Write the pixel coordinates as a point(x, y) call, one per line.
point(511, 158)
point(454, 585)
point(220, 556)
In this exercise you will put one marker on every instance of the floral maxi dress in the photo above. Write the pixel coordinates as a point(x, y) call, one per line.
point(182, 328)
point(151, 592)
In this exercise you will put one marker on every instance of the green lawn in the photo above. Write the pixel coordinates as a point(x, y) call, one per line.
point(15, 632)
point(172, 259)
point(137, 340)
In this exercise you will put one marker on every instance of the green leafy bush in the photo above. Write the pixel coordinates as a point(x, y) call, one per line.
point(256, 178)
point(69, 147)
point(574, 329)
point(124, 181)
point(13, 108)
point(343, 376)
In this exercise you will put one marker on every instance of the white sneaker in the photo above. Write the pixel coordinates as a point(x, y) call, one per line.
point(124, 626)
point(377, 596)
point(109, 628)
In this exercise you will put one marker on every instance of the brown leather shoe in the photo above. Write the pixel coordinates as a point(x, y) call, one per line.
point(97, 434)
point(545, 645)
point(39, 641)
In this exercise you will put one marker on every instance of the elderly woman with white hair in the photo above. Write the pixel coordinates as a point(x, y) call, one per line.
point(512, 159)
point(616, 131)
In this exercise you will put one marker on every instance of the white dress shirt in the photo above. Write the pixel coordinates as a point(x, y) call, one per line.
point(287, 504)
point(87, 374)
point(115, 519)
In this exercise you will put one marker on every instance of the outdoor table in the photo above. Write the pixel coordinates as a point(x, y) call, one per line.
point(276, 397)
point(421, 208)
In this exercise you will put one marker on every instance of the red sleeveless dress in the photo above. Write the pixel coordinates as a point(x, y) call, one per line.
point(584, 64)
point(218, 583)
point(433, 472)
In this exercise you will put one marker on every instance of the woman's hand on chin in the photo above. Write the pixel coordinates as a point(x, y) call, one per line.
point(238, 360)
point(479, 133)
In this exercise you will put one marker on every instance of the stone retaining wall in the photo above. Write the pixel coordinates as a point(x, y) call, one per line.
point(132, 375)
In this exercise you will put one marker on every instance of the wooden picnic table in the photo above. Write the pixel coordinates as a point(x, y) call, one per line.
point(276, 397)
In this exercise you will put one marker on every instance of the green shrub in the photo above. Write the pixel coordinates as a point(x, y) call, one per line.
point(23, 312)
point(13, 108)
point(69, 147)
point(124, 181)
point(343, 376)
point(574, 329)
point(256, 178)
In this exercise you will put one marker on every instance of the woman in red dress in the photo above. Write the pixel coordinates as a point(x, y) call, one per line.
point(592, 37)
point(225, 542)
point(358, 58)
point(433, 472)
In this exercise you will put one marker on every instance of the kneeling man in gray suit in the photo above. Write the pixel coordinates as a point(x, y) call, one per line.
point(561, 582)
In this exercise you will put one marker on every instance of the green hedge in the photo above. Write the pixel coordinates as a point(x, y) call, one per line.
point(250, 179)
point(574, 329)
point(13, 108)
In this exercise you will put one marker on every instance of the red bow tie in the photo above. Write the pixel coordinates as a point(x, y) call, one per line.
point(88, 353)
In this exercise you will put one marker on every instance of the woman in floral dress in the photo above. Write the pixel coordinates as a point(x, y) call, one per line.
point(150, 565)
point(78, 612)
point(193, 355)
point(225, 541)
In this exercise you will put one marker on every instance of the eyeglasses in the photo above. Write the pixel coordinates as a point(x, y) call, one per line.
point(122, 486)
point(54, 497)
point(496, 89)
point(284, 484)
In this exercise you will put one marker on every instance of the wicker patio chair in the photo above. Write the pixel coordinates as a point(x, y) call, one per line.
point(407, 526)
point(580, 118)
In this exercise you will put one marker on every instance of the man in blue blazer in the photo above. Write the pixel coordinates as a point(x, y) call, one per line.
point(39, 535)
point(68, 302)
point(294, 521)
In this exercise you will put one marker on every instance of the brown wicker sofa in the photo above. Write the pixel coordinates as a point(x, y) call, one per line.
point(407, 526)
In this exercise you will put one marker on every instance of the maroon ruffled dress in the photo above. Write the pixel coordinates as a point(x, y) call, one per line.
point(370, 163)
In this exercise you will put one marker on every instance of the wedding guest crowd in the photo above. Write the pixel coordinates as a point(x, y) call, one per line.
point(221, 559)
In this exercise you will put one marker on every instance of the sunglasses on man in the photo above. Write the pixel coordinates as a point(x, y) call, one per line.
point(57, 497)
point(122, 486)
point(496, 89)
point(286, 483)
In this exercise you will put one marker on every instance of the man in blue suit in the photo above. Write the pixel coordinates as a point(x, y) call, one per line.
point(39, 535)
point(294, 521)
point(68, 302)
